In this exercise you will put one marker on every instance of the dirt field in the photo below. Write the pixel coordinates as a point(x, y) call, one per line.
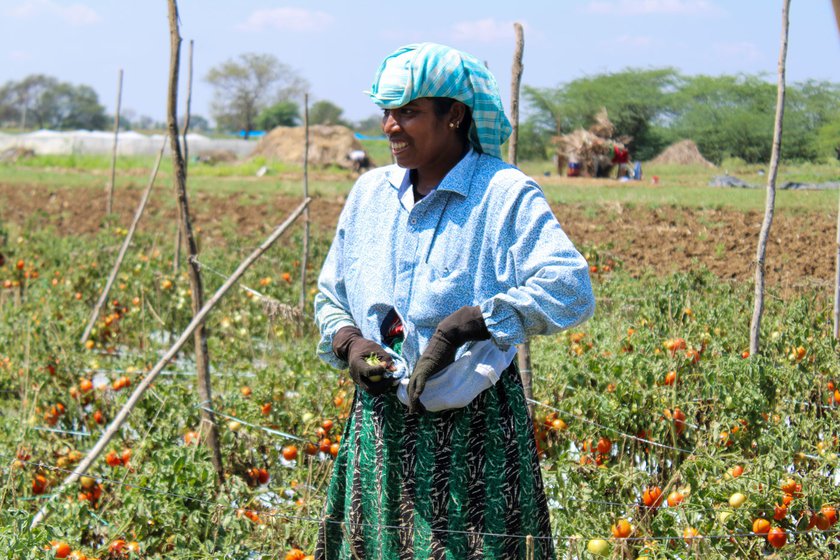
point(800, 254)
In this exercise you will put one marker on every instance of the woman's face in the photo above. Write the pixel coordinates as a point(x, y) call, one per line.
point(422, 140)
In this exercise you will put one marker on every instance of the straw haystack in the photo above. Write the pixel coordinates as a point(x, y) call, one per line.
point(328, 145)
point(684, 152)
point(591, 149)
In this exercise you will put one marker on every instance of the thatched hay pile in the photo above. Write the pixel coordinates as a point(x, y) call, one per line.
point(592, 149)
point(328, 145)
point(684, 152)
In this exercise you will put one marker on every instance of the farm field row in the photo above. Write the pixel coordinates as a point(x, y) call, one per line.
point(660, 436)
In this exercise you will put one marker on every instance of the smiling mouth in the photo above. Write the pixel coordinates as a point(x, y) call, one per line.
point(397, 147)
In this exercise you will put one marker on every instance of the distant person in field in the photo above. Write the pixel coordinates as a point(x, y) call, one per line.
point(441, 264)
point(360, 160)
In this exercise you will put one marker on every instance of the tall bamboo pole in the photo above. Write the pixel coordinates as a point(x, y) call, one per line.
point(764, 234)
point(103, 297)
point(304, 261)
point(196, 322)
point(109, 205)
point(202, 365)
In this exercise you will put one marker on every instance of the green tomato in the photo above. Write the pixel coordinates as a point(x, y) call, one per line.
point(598, 547)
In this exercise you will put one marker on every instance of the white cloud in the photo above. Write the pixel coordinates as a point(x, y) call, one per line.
point(648, 7)
point(741, 50)
point(286, 19)
point(74, 14)
point(483, 30)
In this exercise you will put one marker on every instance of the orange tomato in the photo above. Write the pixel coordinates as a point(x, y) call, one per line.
point(295, 554)
point(761, 526)
point(689, 534)
point(777, 537)
point(652, 497)
point(290, 452)
point(736, 471)
point(621, 529)
point(604, 445)
point(675, 498)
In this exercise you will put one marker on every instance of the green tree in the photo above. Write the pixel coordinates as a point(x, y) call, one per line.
point(370, 126)
point(48, 103)
point(284, 113)
point(243, 87)
point(726, 116)
point(326, 112)
point(635, 100)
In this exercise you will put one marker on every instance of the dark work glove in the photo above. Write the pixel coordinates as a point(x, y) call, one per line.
point(460, 327)
point(350, 346)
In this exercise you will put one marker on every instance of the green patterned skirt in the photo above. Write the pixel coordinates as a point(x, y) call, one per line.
point(457, 484)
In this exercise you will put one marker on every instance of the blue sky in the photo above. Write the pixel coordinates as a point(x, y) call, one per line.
point(337, 44)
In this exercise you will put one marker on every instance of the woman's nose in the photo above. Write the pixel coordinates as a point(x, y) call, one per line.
point(389, 124)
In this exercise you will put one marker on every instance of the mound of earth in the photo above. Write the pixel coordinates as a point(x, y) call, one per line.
point(328, 145)
point(684, 152)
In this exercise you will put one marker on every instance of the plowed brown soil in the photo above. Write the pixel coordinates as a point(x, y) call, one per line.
point(800, 254)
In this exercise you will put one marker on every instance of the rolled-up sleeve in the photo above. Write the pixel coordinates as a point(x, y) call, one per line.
point(544, 280)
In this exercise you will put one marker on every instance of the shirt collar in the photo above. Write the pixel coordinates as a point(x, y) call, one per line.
point(457, 180)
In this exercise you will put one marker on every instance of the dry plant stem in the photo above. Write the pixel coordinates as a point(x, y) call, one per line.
point(179, 171)
point(124, 249)
point(197, 320)
point(304, 261)
point(764, 234)
point(109, 204)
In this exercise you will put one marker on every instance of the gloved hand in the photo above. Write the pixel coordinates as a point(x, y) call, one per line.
point(349, 345)
point(462, 326)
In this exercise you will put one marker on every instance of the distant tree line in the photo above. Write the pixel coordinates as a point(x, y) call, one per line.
point(40, 101)
point(726, 116)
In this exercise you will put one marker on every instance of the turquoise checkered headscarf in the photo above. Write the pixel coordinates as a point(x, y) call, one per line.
point(431, 70)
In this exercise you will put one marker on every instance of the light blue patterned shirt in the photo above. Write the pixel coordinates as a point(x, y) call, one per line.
point(485, 236)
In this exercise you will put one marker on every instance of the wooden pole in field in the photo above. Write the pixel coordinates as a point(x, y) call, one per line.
point(176, 254)
point(124, 249)
point(109, 205)
point(515, 83)
point(836, 330)
point(523, 352)
point(179, 171)
point(115, 425)
point(304, 261)
point(764, 234)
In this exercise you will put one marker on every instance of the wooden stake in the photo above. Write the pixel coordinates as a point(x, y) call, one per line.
point(764, 234)
point(103, 297)
point(836, 4)
point(304, 261)
point(523, 353)
point(109, 205)
point(515, 82)
point(179, 172)
point(196, 322)
point(176, 254)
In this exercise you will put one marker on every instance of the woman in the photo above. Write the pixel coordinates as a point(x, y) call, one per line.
point(440, 265)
